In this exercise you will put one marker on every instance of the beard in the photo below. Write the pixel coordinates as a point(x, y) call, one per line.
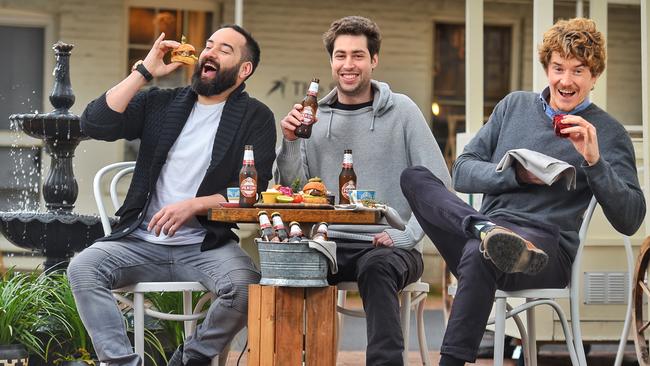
point(224, 79)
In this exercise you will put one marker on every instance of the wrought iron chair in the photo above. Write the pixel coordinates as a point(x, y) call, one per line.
point(412, 296)
point(138, 290)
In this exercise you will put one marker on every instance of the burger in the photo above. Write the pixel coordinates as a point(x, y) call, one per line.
point(185, 53)
point(314, 191)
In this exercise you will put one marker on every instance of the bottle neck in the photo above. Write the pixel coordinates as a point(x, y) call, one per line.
point(347, 161)
point(249, 159)
point(264, 222)
point(313, 89)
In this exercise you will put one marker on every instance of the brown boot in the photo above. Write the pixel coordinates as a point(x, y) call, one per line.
point(511, 253)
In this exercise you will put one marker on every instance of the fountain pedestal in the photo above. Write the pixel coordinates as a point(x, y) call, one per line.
point(58, 232)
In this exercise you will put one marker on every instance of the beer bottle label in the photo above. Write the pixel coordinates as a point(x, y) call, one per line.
point(313, 89)
point(347, 187)
point(248, 187)
point(264, 222)
point(277, 223)
point(248, 157)
point(307, 115)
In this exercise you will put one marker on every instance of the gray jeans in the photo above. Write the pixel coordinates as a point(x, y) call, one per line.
point(226, 271)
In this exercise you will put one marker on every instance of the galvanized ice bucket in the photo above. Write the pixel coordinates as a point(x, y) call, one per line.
point(291, 265)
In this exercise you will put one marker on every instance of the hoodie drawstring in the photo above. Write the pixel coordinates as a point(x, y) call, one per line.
point(329, 124)
point(372, 124)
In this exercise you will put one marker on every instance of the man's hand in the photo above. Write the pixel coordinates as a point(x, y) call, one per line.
point(292, 121)
point(382, 240)
point(171, 217)
point(524, 176)
point(582, 135)
point(154, 61)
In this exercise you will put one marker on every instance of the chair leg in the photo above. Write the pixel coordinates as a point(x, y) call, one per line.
point(532, 339)
point(340, 301)
point(405, 318)
point(188, 326)
point(422, 336)
point(499, 330)
point(223, 357)
point(138, 323)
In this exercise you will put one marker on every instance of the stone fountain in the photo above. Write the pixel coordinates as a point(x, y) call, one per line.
point(57, 232)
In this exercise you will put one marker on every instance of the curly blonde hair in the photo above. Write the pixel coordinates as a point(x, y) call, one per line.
point(575, 38)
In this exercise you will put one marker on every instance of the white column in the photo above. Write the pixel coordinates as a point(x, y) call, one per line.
point(542, 21)
point(579, 9)
point(239, 12)
point(645, 104)
point(473, 66)
point(598, 12)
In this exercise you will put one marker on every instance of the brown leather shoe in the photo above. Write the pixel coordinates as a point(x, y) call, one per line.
point(511, 253)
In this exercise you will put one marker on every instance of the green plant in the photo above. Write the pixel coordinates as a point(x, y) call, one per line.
point(26, 310)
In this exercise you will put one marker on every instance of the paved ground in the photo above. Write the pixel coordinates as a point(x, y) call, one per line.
point(353, 344)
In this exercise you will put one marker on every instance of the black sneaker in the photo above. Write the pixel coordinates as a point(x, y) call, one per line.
point(511, 253)
point(177, 359)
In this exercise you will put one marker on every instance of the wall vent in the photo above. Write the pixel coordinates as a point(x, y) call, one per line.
point(606, 287)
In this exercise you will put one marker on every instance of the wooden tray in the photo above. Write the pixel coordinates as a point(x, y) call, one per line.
point(303, 216)
point(322, 206)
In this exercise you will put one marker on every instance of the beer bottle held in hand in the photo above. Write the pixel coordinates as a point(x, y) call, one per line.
point(309, 108)
point(321, 232)
point(267, 233)
point(295, 232)
point(278, 227)
point(248, 179)
point(347, 178)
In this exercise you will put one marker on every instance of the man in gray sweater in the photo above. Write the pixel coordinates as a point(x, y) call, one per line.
point(526, 233)
point(387, 133)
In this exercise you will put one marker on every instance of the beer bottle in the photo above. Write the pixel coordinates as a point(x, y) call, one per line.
point(347, 178)
point(309, 108)
point(321, 232)
point(248, 179)
point(278, 227)
point(267, 233)
point(295, 232)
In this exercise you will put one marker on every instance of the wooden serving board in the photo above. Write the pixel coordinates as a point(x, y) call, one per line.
point(322, 206)
point(301, 215)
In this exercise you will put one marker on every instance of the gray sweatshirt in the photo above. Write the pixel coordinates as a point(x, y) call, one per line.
point(519, 121)
point(385, 139)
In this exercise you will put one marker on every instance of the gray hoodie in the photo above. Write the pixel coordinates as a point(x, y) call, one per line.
point(385, 139)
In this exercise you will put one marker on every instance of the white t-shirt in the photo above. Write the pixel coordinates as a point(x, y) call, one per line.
point(183, 172)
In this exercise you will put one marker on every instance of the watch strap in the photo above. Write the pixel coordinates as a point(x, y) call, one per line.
point(143, 70)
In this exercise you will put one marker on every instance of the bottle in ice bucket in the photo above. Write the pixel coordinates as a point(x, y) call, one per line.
point(347, 178)
point(321, 232)
point(278, 227)
point(295, 232)
point(267, 233)
point(309, 108)
point(248, 179)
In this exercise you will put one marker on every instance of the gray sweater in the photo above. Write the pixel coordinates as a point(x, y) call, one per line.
point(519, 121)
point(385, 138)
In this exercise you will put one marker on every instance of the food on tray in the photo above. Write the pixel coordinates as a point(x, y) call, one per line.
point(315, 187)
point(284, 199)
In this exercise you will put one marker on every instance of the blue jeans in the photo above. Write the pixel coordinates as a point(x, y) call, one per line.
point(226, 271)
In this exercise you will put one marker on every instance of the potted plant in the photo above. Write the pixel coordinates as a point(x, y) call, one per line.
point(25, 311)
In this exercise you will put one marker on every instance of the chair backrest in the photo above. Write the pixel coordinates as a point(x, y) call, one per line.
point(119, 171)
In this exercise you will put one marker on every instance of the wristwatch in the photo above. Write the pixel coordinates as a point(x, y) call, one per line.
point(139, 67)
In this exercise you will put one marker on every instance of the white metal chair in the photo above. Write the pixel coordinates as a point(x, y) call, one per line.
point(412, 296)
point(190, 315)
point(535, 297)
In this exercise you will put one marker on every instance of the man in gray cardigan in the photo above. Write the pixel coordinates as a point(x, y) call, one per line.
point(526, 233)
point(387, 133)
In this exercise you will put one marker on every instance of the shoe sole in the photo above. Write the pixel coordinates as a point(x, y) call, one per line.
point(510, 254)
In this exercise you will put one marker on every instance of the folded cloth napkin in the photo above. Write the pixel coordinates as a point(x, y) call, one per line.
point(392, 217)
point(328, 248)
point(546, 168)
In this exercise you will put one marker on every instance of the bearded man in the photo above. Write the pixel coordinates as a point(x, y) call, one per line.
point(192, 144)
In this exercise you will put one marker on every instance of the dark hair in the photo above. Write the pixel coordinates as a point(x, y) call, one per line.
point(356, 26)
point(252, 53)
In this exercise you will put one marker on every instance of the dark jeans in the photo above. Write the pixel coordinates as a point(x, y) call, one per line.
point(380, 273)
point(446, 219)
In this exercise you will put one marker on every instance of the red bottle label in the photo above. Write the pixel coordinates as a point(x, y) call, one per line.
point(346, 188)
point(248, 187)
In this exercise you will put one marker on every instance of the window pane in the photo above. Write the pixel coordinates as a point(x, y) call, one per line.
point(170, 22)
point(141, 26)
point(21, 89)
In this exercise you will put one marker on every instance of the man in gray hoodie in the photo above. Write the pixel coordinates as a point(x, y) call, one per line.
point(387, 133)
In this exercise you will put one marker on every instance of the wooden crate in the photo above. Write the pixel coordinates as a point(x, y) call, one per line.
point(285, 322)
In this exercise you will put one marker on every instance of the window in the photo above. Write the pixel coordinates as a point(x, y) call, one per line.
point(449, 78)
point(21, 91)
